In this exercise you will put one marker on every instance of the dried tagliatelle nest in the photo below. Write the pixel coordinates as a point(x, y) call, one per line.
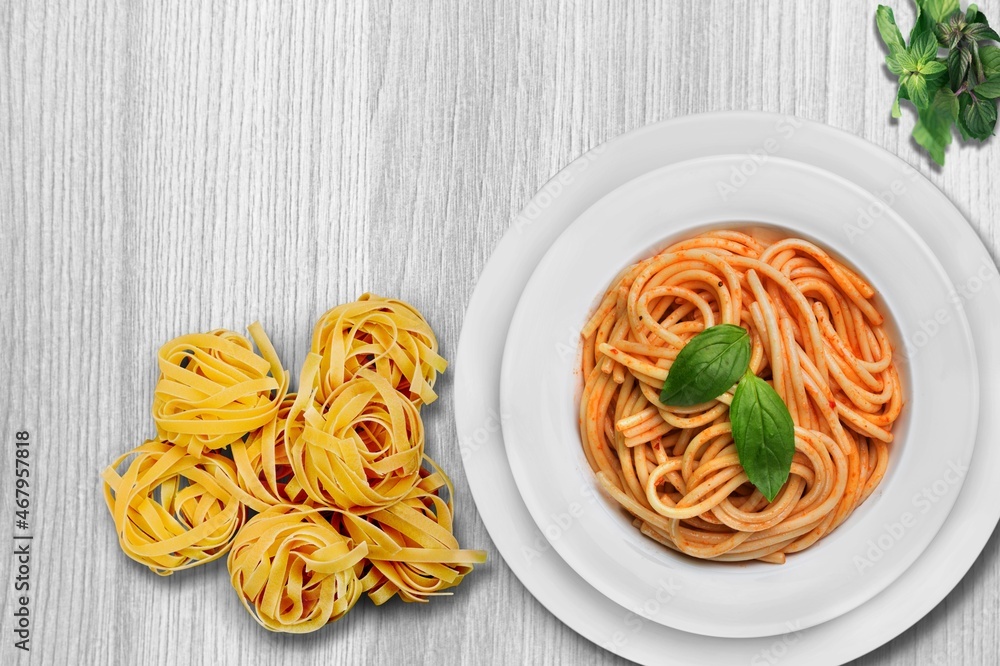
point(173, 510)
point(318, 496)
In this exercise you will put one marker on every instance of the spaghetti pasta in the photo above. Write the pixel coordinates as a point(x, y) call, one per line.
point(294, 571)
point(173, 510)
point(213, 389)
point(817, 336)
point(385, 335)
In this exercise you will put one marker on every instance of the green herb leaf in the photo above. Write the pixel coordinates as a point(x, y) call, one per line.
point(941, 114)
point(892, 62)
point(933, 68)
point(896, 113)
point(933, 129)
point(960, 89)
point(930, 143)
point(905, 61)
point(959, 60)
point(764, 434)
point(939, 10)
point(916, 88)
point(979, 31)
point(924, 22)
point(977, 64)
point(708, 366)
point(891, 35)
point(923, 49)
point(980, 117)
point(988, 89)
point(989, 56)
point(963, 101)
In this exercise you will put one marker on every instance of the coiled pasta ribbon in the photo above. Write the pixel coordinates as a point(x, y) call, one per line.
point(173, 510)
point(384, 335)
point(213, 389)
point(264, 471)
point(361, 449)
point(294, 571)
point(335, 470)
point(412, 550)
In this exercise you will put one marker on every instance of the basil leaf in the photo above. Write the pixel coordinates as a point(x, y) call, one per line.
point(932, 68)
point(931, 143)
point(923, 49)
point(973, 15)
point(980, 116)
point(764, 434)
point(916, 88)
point(905, 61)
point(963, 101)
point(900, 94)
point(980, 31)
point(891, 35)
point(959, 60)
point(933, 129)
point(708, 366)
point(924, 22)
point(940, 10)
point(941, 114)
point(989, 56)
point(988, 89)
point(892, 62)
point(959, 89)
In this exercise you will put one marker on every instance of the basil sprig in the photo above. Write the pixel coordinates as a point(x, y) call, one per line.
point(708, 366)
point(764, 434)
point(959, 89)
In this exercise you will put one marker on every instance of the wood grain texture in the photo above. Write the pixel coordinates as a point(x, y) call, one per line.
point(174, 167)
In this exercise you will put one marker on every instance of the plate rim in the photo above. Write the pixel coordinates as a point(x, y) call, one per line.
point(477, 418)
point(577, 560)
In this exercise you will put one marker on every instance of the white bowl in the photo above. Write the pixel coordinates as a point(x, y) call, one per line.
point(540, 385)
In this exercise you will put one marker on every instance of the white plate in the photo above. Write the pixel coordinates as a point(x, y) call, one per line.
point(540, 387)
point(477, 402)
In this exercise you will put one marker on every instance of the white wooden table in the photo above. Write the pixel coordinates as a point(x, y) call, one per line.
point(174, 167)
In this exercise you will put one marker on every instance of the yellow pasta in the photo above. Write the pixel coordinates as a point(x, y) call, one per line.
point(411, 547)
point(335, 469)
point(361, 449)
point(382, 334)
point(213, 389)
point(294, 571)
point(264, 471)
point(173, 510)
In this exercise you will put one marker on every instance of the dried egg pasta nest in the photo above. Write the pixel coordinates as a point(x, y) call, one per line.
point(173, 510)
